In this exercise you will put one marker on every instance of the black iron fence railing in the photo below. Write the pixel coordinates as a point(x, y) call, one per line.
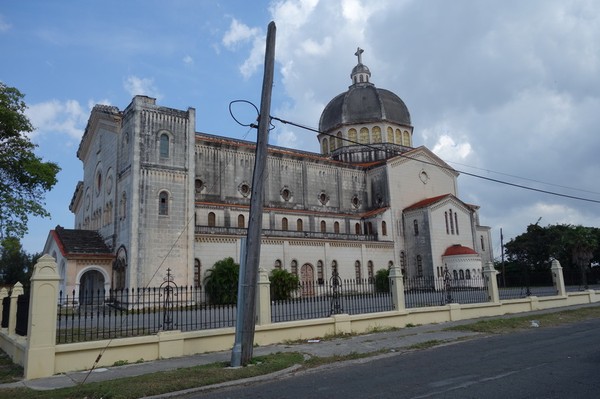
point(134, 312)
point(313, 300)
point(437, 291)
point(524, 283)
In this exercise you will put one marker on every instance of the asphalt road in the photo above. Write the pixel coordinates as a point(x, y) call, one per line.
point(558, 362)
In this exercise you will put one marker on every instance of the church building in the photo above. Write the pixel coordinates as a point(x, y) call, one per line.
point(157, 195)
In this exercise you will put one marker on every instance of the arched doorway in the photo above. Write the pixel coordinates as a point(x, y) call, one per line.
point(307, 278)
point(91, 288)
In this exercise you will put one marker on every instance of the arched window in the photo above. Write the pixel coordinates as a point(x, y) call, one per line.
point(416, 227)
point(390, 135)
point(198, 185)
point(325, 146)
point(403, 262)
point(212, 219)
point(482, 245)
point(331, 144)
point(284, 224)
point(376, 134)
point(357, 229)
point(357, 271)
point(164, 145)
point(419, 266)
point(340, 140)
point(455, 274)
point(163, 203)
point(451, 222)
point(352, 136)
point(456, 222)
point(197, 273)
point(406, 141)
point(334, 268)
point(369, 228)
point(364, 135)
point(468, 274)
point(320, 277)
point(294, 268)
point(241, 221)
point(446, 217)
point(336, 228)
point(398, 137)
point(383, 228)
point(370, 272)
point(461, 274)
point(277, 264)
point(299, 225)
point(323, 226)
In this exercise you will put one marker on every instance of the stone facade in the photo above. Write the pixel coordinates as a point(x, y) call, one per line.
point(165, 196)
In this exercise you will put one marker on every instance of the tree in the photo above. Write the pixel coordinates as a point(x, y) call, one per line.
point(24, 177)
point(382, 280)
point(221, 282)
point(15, 264)
point(581, 242)
point(283, 284)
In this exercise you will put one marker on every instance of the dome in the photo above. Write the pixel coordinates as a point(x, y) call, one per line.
point(364, 103)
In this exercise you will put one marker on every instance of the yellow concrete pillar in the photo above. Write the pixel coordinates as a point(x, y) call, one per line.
point(489, 274)
point(397, 288)
point(263, 299)
point(558, 278)
point(12, 317)
point(41, 343)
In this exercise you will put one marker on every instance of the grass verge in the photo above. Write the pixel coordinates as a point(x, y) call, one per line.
point(505, 325)
point(163, 382)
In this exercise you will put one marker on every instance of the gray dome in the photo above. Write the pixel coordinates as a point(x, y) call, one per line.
point(364, 103)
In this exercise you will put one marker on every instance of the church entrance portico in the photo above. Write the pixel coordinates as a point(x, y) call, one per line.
point(307, 279)
point(92, 286)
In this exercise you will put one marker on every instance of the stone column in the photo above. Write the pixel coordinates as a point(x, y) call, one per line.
point(263, 298)
point(397, 287)
point(40, 352)
point(489, 274)
point(557, 278)
point(12, 317)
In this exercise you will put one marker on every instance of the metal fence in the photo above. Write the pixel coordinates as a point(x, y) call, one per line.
point(135, 312)
point(313, 300)
point(438, 291)
point(526, 283)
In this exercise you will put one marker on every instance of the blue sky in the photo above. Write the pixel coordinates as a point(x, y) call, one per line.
point(509, 90)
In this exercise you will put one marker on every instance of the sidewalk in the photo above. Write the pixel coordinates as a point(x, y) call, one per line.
point(390, 341)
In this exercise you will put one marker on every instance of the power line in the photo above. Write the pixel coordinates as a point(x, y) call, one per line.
point(398, 153)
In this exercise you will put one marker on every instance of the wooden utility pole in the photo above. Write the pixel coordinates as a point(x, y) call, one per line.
point(247, 298)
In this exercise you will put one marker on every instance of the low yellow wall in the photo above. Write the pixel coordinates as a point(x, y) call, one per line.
point(81, 356)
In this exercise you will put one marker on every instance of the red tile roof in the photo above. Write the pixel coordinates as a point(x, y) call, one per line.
point(458, 249)
point(426, 202)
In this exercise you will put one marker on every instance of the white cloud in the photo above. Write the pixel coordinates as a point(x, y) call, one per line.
point(141, 86)
point(4, 26)
point(188, 60)
point(285, 138)
point(57, 117)
point(447, 149)
point(239, 33)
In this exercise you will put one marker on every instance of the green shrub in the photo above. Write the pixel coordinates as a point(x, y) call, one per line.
point(283, 284)
point(221, 282)
point(382, 280)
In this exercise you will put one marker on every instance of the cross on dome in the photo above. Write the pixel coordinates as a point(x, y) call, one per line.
point(360, 74)
point(358, 53)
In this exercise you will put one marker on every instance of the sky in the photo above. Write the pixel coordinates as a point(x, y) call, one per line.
point(506, 90)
